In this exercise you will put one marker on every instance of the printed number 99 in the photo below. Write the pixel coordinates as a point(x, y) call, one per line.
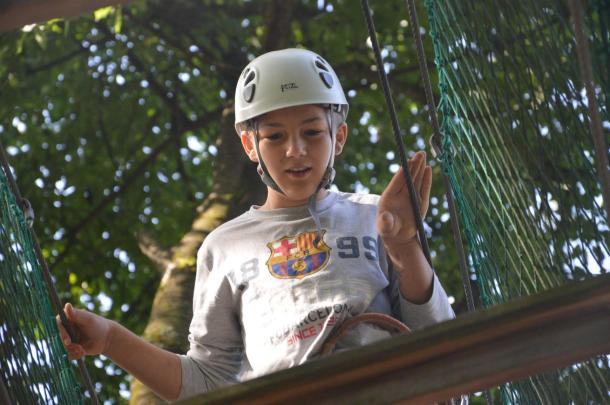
point(349, 248)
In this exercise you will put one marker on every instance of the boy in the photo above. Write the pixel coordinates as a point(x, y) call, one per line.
point(274, 283)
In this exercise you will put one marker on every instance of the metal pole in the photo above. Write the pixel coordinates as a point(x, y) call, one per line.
point(595, 123)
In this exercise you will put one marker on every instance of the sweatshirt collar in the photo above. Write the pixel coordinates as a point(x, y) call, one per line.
point(294, 212)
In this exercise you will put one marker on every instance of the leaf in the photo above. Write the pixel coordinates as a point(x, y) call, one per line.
point(41, 39)
point(102, 13)
point(118, 21)
point(19, 44)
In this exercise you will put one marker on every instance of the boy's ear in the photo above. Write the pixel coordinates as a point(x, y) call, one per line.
point(341, 138)
point(248, 145)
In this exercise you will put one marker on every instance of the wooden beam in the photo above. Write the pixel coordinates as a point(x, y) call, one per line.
point(508, 342)
point(27, 12)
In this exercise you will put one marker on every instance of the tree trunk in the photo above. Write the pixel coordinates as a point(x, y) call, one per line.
point(172, 306)
point(236, 186)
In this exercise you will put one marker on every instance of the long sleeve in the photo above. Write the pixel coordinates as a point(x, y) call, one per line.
point(416, 316)
point(437, 309)
point(216, 348)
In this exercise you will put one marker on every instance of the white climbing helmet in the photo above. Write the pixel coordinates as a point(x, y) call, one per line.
point(289, 78)
point(286, 78)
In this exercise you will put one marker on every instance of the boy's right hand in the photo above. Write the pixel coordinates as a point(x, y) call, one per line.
point(92, 333)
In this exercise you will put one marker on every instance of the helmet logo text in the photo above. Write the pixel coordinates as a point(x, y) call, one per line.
point(288, 86)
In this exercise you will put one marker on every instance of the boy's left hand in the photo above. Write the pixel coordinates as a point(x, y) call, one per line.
point(395, 220)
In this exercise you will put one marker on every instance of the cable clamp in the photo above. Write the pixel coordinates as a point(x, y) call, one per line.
point(28, 212)
point(437, 148)
point(442, 154)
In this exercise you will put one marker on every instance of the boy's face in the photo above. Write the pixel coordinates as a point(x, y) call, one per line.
point(295, 145)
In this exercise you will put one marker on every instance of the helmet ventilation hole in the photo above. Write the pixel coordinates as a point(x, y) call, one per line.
point(327, 79)
point(249, 85)
point(248, 92)
point(324, 72)
point(321, 65)
point(249, 78)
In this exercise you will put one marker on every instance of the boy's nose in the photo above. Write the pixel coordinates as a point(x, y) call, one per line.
point(296, 147)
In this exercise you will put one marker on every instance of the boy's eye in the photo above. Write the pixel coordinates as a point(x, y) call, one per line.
point(313, 132)
point(272, 137)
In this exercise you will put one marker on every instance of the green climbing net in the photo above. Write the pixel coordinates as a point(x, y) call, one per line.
point(34, 367)
point(519, 154)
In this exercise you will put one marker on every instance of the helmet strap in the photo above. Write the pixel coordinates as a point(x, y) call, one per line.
point(327, 179)
point(262, 169)
point(329, 173)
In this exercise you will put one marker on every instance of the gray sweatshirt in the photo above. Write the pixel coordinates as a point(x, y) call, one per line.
point(267, 297)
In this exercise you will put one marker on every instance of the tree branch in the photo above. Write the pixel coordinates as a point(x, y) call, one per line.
point(278, 16)
point(137, 144)
point(120, 189)
point(228, 68)
point(416, 93)
point(169, 100)
point(186, 179)
point(63, 58)
point(152, 249)
point(106, 141)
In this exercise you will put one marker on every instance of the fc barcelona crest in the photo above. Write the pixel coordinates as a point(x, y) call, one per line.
point(297, 256)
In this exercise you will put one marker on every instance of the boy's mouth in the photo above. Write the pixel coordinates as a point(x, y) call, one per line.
point(299, 172)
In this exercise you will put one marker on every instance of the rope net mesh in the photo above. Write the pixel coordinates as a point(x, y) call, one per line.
point(34, 366)
point(519, 154)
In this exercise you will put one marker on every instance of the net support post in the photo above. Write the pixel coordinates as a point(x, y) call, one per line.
point(595, 123)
